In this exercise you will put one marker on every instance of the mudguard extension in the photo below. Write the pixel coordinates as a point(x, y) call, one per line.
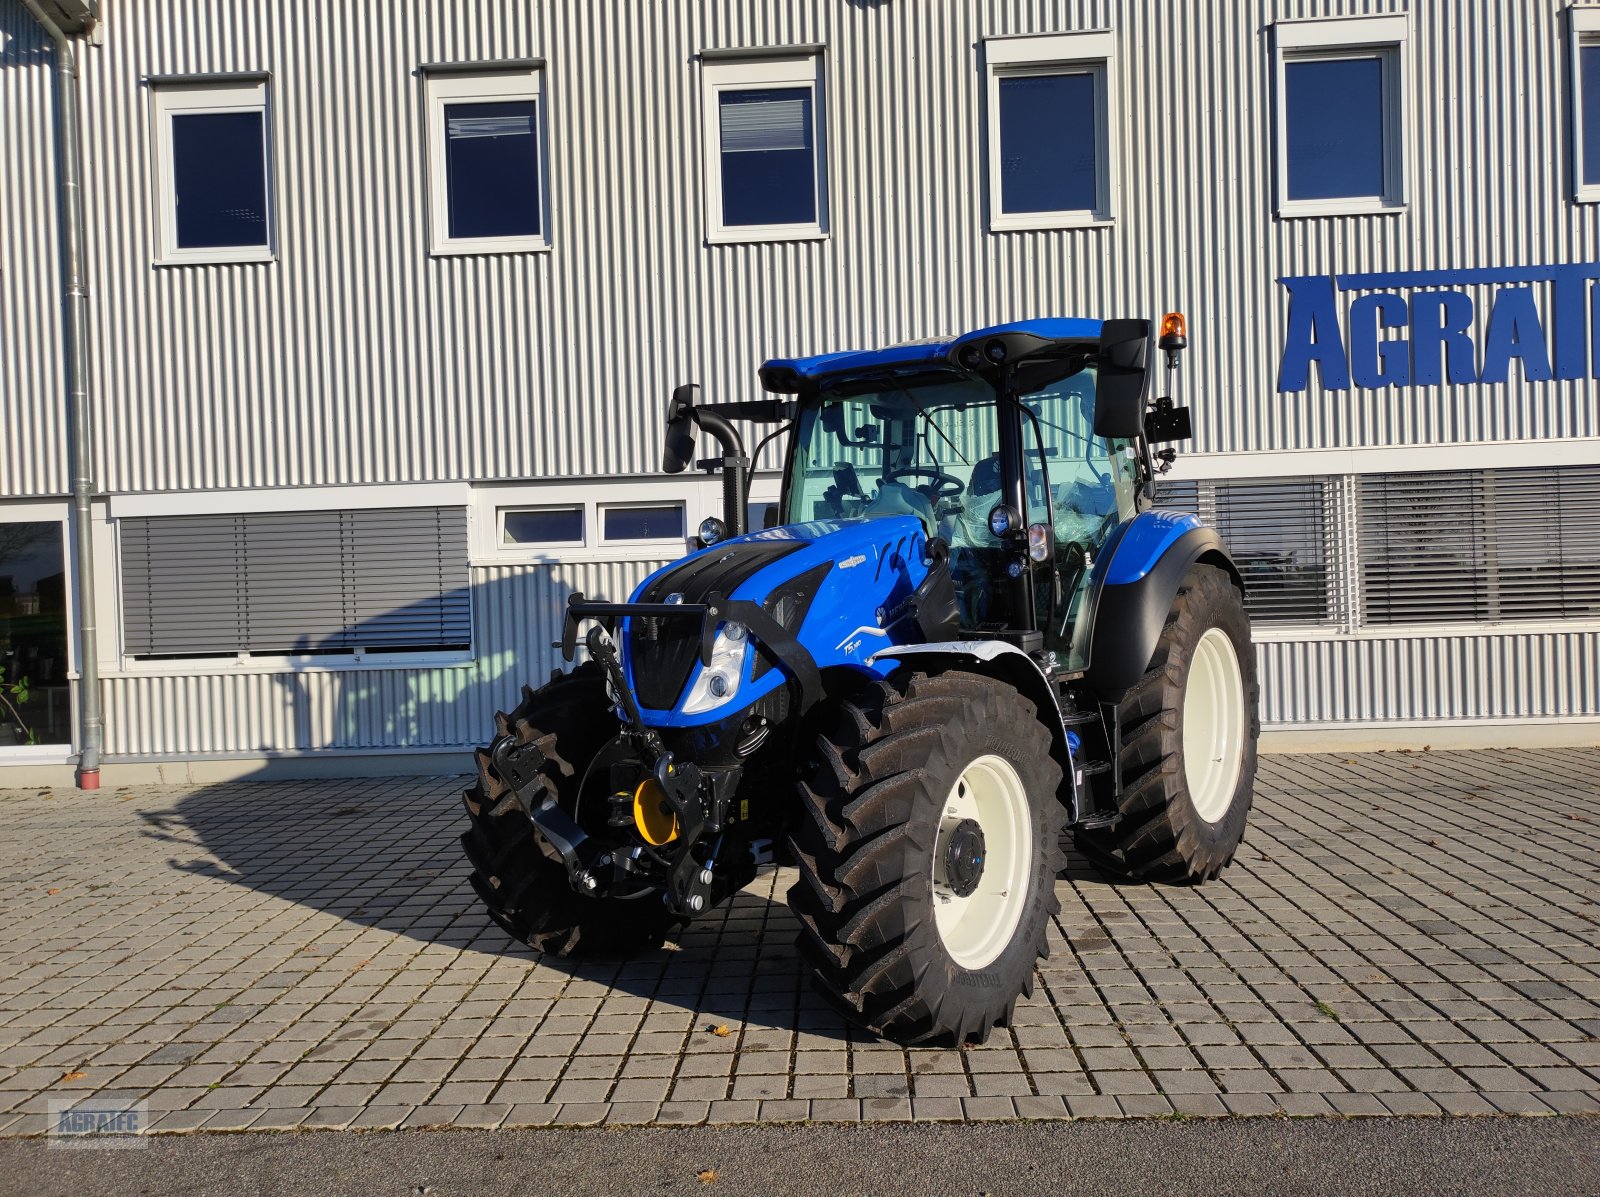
point(1132, 597)
point(1007, 663)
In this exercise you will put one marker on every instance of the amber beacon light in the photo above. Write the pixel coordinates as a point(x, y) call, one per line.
point(1174, 331)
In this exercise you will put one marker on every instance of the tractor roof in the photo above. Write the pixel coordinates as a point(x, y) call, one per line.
point(934, 352)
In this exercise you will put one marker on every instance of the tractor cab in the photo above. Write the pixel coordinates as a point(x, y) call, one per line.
point(928, 443)
point(990, 442)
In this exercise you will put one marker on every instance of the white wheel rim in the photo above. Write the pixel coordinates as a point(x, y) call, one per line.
point(1213, 725)
point(976, 928)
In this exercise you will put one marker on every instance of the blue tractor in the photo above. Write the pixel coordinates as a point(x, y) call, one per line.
point(965, 635)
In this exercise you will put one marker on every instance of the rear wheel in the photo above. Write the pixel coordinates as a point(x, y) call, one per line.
point(1189, 731)
point(928, 852)
point(527, 893)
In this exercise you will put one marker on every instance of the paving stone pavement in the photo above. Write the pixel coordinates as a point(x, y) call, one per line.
point(1401, 934)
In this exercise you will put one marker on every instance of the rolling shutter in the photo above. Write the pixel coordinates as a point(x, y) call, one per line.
point(296, 582)
point(1480, 546)
point(1280, 535)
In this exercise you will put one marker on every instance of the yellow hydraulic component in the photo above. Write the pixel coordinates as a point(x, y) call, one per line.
point(657, 822)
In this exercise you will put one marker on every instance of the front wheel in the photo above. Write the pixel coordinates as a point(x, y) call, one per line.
point(569, 720)
point(928, 852)
point(1189, 731)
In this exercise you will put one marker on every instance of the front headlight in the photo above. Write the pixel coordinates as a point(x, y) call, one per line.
point(719, 681)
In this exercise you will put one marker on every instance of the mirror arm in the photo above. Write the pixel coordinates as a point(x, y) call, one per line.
point(759, 411)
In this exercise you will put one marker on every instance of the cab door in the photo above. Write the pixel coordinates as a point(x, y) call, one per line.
point(1082, 486)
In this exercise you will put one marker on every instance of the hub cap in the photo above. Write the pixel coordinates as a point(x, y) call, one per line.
point(982, 861)
point(1213, 725)
point(963, 858)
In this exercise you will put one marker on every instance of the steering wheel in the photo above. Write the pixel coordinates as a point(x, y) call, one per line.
point(945, 486)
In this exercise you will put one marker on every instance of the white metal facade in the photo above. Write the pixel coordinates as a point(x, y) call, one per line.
point(355, 358)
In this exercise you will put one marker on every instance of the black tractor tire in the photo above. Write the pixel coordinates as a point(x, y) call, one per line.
point(527, 893)
point(874, 814)
point(1162, 834)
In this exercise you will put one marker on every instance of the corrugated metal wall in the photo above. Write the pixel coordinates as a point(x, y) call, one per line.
point(516, 618)
point(356, 357)
point(1405, 679)
point(33, 405)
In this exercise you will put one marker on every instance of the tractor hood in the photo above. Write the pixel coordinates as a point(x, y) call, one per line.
point(832, 588)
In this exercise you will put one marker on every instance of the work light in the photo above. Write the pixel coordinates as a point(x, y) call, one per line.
point(1004, 520)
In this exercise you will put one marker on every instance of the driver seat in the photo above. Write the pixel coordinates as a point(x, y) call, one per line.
point(896, 498)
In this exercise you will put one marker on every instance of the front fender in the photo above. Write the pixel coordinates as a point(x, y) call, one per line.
point(1131, 602)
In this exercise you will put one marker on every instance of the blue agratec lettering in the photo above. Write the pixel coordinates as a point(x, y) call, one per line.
point(1418, 328)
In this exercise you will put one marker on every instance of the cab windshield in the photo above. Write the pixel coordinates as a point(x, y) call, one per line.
point(927, 445)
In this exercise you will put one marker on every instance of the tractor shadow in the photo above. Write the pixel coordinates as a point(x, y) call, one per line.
point(382, 853)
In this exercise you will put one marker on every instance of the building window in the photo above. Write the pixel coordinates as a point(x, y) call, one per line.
point(35, 703)
point(488, 187)
point(300, 583)
point(1280, 533)
point(635, 523)
point(541, 525)
point(1480, 546)
point(213, 171)
point(1586, 103)
point(766, 176)
point(1341, 115)
point(1049, 102)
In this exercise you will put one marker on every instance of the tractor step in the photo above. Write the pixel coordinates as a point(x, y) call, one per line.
point(1078, 718)
point(1098, 820)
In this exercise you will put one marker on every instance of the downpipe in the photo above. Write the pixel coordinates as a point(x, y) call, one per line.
point(91, 729)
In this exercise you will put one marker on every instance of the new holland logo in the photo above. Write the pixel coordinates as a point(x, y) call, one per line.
point(1434, 334)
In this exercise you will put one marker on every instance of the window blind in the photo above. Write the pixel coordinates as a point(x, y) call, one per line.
point(510, 124)
point(296, 582)
point(1279, 534)
point(1476, 546)
point(770, 124)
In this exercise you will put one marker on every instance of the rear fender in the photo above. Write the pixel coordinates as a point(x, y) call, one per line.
point(1009, 664)
point(1133, 598)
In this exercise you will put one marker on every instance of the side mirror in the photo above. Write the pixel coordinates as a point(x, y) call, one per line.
point(677, 449)
point(1123, 379)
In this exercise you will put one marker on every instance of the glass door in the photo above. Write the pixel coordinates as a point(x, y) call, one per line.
point(35, 699)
